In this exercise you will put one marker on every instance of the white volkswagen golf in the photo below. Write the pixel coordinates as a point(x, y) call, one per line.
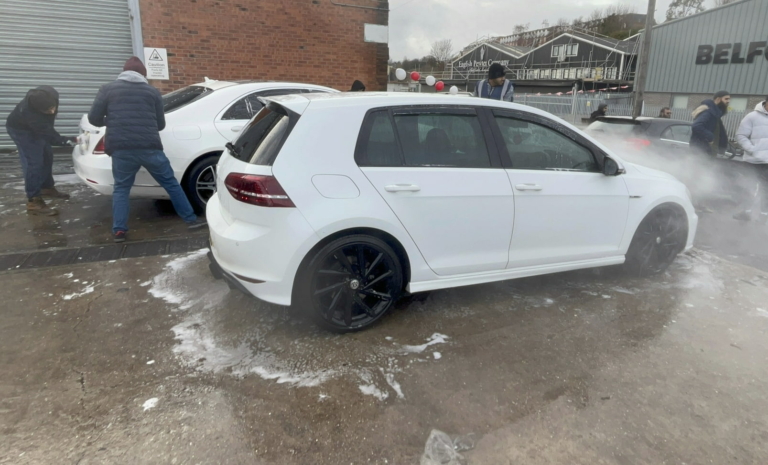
point(200, 119)
point(342, 203)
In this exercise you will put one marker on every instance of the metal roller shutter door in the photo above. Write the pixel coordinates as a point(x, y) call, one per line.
point(75, 46)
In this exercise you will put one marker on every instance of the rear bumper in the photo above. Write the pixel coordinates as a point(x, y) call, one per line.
point(218, 272)
point(261, 256)
point(96, 172)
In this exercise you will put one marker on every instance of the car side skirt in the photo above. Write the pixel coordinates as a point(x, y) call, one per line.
point(479, 278)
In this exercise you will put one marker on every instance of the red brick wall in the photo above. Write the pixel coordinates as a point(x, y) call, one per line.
point(311, 41)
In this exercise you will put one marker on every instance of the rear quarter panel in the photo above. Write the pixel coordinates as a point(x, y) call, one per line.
point(323, 142)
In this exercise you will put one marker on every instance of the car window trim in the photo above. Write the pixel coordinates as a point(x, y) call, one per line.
point(669, 128)
point(506, 160)
point(490, 144)
point(482, 114)
point(365, 134)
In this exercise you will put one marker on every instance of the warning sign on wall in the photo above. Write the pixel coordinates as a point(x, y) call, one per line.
point(156, 62)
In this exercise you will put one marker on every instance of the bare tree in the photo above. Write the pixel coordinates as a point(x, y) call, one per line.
point(520, 28)
point(682, 8)
point(620, 9)
point(442, 50)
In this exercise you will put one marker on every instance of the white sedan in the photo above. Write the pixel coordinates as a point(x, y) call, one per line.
point(200, 119)
point(342, 203)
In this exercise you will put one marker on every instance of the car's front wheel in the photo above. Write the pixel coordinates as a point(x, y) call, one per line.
point(200, 182)
point(352, 282)
point(657, 241)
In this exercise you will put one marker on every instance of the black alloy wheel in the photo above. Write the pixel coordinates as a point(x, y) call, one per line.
point(353, 282)
point(658, 239)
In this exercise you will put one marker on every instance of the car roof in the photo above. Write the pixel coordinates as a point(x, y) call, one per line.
point(393, 99)
point(650, 119)
point(255, 84)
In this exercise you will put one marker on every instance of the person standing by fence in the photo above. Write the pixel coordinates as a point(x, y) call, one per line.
point(497, 86)
point(752, 136)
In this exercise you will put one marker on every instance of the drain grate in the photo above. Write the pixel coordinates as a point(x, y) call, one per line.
point(100, 253)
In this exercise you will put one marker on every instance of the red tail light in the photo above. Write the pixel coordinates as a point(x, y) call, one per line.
point(639, 143)
point(263, 191)
point(99, 149)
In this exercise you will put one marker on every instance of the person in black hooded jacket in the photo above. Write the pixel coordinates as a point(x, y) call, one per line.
point(601, 111)
point(31, 126)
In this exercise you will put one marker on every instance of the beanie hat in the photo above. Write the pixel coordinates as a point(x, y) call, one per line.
point(134, 64)
point(721, 93)
point(496, 71)
point(41, 100)
point(357, 86)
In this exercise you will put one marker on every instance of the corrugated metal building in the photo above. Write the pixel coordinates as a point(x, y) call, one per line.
point(720, 49)
point(72, 45)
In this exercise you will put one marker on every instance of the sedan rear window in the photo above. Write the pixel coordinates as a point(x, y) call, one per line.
point(263, 137)
point(624, 128)
point(182, 97)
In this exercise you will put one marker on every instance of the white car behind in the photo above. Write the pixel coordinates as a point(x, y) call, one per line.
point(342, 203)
point(200, 120)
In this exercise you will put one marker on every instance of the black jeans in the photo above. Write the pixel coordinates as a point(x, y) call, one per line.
point(36, 158)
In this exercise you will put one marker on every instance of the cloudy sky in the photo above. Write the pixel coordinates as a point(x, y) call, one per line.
point(415, 24)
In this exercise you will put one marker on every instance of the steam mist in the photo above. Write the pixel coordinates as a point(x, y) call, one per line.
point(710, 180)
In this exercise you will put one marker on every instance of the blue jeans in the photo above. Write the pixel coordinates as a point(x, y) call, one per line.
point(125, 165)
point(36, 158)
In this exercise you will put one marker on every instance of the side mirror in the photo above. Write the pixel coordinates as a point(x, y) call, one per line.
point(611, 168)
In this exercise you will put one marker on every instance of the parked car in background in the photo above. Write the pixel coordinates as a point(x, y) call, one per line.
point(341, 204)
point(661, 135)
point(200, 120)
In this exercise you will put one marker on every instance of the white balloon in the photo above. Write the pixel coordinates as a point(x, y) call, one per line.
point(454, 90)
point(430, 80)
point(400, 74)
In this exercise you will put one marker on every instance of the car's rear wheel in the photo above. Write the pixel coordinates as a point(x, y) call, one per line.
point(657, 241)
point(200, 182)
point(352, 282)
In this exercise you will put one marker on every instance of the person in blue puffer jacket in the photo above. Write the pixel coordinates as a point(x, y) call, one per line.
point(132, 111)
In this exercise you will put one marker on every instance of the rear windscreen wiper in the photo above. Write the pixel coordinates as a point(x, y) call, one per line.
point(232, 149)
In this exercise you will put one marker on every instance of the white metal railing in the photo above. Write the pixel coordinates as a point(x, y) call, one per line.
point(596, 73)
point(574, 109)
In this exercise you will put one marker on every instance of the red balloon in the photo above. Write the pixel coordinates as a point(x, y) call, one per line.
point(415, 75)
point(439, 85)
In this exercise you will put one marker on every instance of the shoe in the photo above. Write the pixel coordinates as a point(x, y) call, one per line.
point(53, 193)
point(703, 209)
point(197, 224)
point(119, 236)
point(37, 206)
point(745, 215)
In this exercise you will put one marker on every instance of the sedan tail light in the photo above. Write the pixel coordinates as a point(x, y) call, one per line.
point(639, 143)
point(263, 191)
point(99, 149)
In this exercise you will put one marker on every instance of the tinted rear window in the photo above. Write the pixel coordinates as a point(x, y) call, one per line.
point(618, 128)
point(182, 97)
point(263, 137)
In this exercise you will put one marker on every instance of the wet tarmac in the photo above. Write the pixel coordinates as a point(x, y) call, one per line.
point(84, 220)
point(150, 360)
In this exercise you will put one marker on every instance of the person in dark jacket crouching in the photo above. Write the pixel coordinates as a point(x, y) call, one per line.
point(132, 111)
point(708, 136)
point(30, 125)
